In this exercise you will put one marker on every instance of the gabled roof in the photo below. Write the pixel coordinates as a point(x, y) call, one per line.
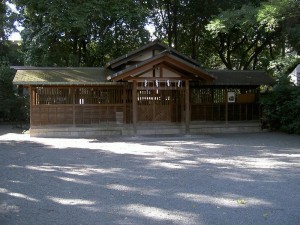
point(155, 45)
point(60, 76)
point(165, 58)
point(241, 77)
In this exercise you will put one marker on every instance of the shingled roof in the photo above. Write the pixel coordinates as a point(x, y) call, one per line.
point(154, 45)
point(98, 76)
point(60, 76)
point(240, 77)
point(164, 58)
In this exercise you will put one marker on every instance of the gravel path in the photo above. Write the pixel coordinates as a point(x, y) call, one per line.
point(216, 179)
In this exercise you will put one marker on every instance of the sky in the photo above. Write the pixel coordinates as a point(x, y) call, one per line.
point(15, 36)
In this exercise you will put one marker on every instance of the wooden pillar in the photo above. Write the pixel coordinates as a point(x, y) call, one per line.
point(73, 105)
point(32, 101)
point(187, 107)
point(134, 106)
point(182, 97)
point(226, 105)
point(124, 104)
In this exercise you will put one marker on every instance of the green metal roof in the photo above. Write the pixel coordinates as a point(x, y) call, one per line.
point(60, 76)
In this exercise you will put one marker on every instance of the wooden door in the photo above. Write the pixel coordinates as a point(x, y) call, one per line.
point(158, 106)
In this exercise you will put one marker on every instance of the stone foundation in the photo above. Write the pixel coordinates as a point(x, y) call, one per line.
point(144, 129)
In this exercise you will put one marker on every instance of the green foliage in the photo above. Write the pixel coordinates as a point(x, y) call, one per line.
point(81, 33)
point(282, 67)
point(7, 26)
point(248, 37)
point(12, 53)
point(7, 21)
point(281, 107)
point(13, 107)
point(234, 34)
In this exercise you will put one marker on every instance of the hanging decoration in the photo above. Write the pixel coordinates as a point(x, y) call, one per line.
point(145, 84)
point(179, 83)
point(168, 83)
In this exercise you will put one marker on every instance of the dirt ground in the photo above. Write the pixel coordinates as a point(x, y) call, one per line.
point(202, 179)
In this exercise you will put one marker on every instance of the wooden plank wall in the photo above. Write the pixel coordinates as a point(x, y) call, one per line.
point(79, 105)
point(63, 114)
point(210, 104)
point(94, 105)
point(217, 112)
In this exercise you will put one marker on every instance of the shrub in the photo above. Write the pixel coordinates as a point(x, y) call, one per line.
point(13, 107)
point(281, 108)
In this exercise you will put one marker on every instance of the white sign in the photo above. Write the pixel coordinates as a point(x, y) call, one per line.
point(231, 97)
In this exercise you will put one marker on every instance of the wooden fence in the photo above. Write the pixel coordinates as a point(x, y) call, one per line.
point(212, 104)
point(80, 105)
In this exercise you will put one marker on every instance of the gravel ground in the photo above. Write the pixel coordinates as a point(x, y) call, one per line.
point(209, 179)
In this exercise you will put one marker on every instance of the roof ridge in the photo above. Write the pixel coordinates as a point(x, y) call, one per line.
point(149, 45)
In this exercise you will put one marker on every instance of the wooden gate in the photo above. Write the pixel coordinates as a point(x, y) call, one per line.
point(159, 106)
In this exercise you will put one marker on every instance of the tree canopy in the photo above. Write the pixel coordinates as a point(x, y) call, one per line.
point(220, 34)
point(249, 37)
point(80, 33)
point(8, 18)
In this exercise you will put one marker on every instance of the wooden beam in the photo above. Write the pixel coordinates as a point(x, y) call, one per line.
point(132, 73)
point(175, 71)
point(186, 67)
point(160, 79)
point(166, 59)
point(140, 74)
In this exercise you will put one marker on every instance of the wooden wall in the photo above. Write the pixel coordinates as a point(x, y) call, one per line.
point(95, 104)
point(217, 112)
point(83, 114)
point(211, 104)
point(79, 105)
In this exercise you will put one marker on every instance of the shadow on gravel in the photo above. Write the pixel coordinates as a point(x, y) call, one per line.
point(220, 179)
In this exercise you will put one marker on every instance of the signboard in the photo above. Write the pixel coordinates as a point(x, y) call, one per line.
point(231, 97)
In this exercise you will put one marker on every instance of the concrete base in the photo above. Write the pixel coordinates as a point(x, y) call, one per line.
point(81, 132)
point(232, 127)
point(144, 129)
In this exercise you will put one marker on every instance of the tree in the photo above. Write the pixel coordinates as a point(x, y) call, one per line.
point(13, 106)
point(7, 26)
point(81, 33)
point(243, 37)
point(281, 105)
point(239, 34)
point(181, 24)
